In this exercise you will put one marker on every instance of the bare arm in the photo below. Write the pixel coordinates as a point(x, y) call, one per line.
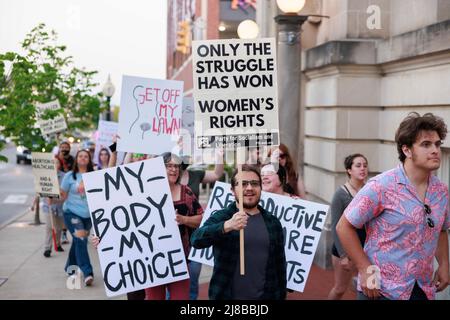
point(190, 221)
point(112, 159)
point(301, 188)
point(63, 195)
point(352, 246)
point(212, 176)
point(441, 277)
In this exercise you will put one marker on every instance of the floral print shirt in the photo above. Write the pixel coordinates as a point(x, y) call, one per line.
point(399, 240)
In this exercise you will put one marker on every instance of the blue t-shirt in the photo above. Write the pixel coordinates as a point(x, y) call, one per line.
point(76, 202)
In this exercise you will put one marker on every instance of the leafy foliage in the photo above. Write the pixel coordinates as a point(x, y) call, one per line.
point(44, 73)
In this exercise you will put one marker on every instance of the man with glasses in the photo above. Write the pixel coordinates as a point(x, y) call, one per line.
point(265, 261)
point(405, 212)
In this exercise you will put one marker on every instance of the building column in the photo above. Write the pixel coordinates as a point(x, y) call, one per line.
point(289, 68)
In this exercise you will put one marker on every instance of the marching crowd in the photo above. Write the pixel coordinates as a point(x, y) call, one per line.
point(387, 229)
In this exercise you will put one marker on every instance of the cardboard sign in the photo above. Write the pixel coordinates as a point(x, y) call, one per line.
point(55, 125)
point(105, 135)
point(302, 223)
point(235, 92)
point(45, 175)
point(133, 214)
point(150, 115)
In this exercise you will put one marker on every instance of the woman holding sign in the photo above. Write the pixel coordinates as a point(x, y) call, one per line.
point(357, 171)
point(77, 217)
point(188, 216)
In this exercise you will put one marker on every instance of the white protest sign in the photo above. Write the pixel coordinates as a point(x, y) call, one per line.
point(55, 125)
point(45, 176)
point(187, 146)
point(106, 132)
point(150, 115)
point(235, 92)
point(302, 223)
point(133, 214)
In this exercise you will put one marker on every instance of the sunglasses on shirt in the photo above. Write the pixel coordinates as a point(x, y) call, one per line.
point(430, 222)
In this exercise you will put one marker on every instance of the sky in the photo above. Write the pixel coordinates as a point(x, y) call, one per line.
point(114, 37)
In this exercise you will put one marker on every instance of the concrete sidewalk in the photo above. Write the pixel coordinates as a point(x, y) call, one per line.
point(26, 274)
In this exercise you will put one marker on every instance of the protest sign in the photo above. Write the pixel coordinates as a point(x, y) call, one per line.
point(150, 115)
point(235, 93)
point(45, 176)
point(133, 214)
point(302, 223)
point(49, 126)
point(105, 135)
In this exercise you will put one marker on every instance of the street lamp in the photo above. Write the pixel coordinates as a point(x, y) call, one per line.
point(289, 74)
point(248, 29)
point(291, 6)
point(108, 91)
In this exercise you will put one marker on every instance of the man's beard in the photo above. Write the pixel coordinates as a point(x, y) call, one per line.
point(251, 205)
point(65, 153)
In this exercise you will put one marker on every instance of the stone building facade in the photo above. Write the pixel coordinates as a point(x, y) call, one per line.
point(363, 70)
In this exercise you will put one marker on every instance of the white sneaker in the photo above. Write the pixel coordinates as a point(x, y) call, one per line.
point(88, 281)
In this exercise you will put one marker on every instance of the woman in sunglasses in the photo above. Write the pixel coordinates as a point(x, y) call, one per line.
point(281, 156)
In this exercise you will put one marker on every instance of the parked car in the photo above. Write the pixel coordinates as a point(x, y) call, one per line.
point(23, 154)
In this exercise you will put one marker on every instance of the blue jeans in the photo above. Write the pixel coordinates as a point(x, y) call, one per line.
point(194, 274)
point(78, 254)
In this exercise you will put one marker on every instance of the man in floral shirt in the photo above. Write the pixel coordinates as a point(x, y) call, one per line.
point(405, 213)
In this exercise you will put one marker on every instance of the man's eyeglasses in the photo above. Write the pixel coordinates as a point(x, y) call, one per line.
point(246, 183)
point(428, 211)
point(172, 166)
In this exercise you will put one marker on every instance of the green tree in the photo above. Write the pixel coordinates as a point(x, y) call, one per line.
point(44, 73)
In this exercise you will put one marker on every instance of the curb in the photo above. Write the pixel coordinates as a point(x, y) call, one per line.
point(13, 219)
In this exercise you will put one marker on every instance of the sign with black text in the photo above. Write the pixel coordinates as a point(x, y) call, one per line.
point(150, 115)
point(302, 223)
point(133, 214)
point(235, 93)
point(49, 126)
point(45, 176)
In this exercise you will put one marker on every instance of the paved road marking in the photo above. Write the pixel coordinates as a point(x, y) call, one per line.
point(16, 199)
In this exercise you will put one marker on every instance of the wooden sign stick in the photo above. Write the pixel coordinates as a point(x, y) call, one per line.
point(240, 159)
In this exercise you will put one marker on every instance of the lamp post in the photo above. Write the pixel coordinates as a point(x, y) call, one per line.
point(248, 29)
point(108, 91)
point(289, 69)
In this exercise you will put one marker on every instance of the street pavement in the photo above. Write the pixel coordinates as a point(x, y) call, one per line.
point(26, 274)
point(16, 187)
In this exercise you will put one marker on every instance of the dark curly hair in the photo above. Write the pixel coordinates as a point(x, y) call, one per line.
point(412, 125)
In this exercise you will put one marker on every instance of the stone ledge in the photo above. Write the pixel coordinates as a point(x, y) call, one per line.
point(340, 52)
point(430, 39)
